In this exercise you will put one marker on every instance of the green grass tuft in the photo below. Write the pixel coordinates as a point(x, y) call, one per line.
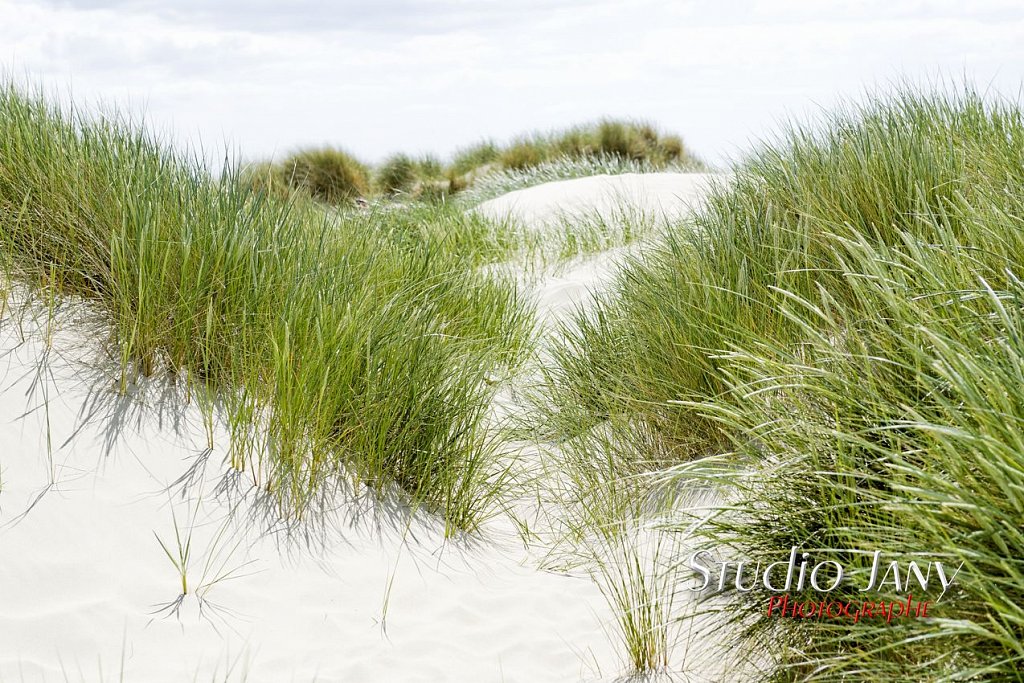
point(843, 323)
point(473, 157)
point(397, 175)
point(608, 138)
point(341, 345)
point(335, 177)
point(330, 175)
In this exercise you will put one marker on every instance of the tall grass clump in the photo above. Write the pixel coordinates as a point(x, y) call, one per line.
point(605, 147)
point(608, 146)
point(266, 178)
point(328, 174)
point(843, 324)
point(341, 347)
point(397, 175)
point(633, 563)
point(626, 140)
point(414, 177)
point(895, 426)
point(473, 157)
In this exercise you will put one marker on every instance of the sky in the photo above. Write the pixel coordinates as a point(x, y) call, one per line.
point(264, 77)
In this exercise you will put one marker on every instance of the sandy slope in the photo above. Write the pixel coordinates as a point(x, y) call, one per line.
point(81, 571)
point(647, 197)
point(91, 483)
point(657, 194)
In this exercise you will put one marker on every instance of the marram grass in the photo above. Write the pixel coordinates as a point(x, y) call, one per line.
point(609, 138)
point(340, 345)
point(328, 174)
point(843, 324)
point(335, 177)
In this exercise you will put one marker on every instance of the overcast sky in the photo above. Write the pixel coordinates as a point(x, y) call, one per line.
point(268, 76)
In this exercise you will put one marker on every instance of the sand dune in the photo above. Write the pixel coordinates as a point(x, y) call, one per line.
point(669, 195)
point(94, 487)
point(646, 197)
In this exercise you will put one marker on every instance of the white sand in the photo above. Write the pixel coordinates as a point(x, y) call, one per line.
point(662, 194)
point(656, 197)
point(82, 571)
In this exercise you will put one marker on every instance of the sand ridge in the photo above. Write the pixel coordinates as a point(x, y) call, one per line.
point(668, 195)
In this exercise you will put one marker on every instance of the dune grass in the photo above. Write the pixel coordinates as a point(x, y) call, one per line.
point(328, 174)
point(842, 325)
point(268, 179)
point(606, 533)
point(607, 147)
point(336, 177)
point(633, 570)
point(473, 157)
point(621, 139)
point(325, 174)
point(338, 346)
point(400, 172)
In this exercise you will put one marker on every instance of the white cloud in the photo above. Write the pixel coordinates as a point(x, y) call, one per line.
point(434, 75)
